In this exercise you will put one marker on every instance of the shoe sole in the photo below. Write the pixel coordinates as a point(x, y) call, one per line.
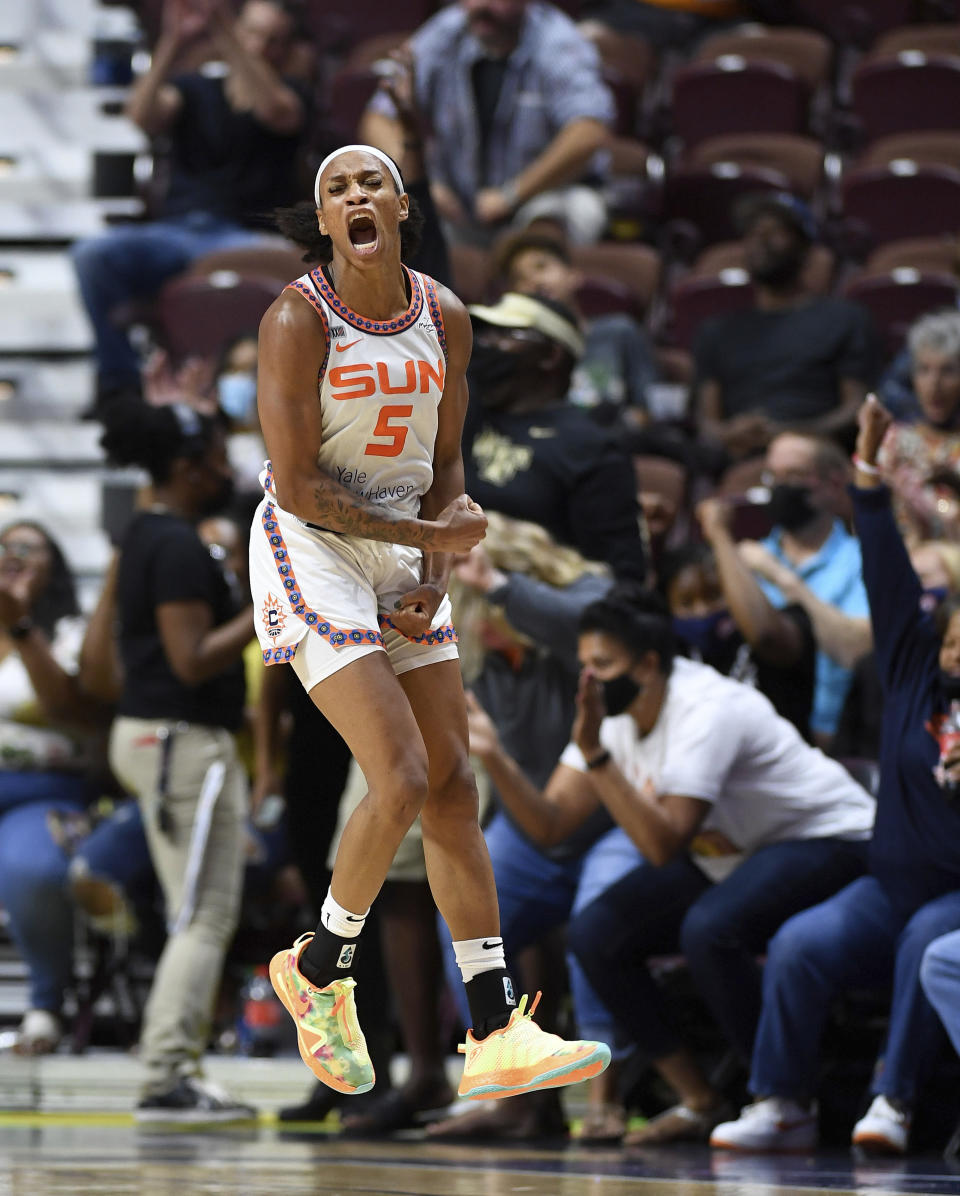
point(571, 1073)
point(876, 1144)
point(769, 1148)
point(192, 1117)
point(278, 971)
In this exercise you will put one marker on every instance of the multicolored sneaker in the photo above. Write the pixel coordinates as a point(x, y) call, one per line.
point(522, 1058)
point(328, 1033)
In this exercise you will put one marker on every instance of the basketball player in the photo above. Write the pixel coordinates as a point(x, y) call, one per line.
point(350, 554)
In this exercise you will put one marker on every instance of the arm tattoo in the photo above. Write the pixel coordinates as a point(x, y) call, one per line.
point(340, 510)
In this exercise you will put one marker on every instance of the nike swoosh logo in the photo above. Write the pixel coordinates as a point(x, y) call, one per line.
point(491, 946)
point(343, 348)
point(351, 918)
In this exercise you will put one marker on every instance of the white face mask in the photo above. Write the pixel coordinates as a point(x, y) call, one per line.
point(237, 395)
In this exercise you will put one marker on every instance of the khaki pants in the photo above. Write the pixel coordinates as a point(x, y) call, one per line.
point(187, 780)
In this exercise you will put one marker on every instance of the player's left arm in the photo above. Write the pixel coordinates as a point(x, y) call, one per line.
point(417, 609)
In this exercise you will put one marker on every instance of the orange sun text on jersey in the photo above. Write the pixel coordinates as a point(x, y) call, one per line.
point(362, 381)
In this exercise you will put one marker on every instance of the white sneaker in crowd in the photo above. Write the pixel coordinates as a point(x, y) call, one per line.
point(884, 1129)
point(771, 1124)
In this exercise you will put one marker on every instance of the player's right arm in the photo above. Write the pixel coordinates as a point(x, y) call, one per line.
point(293, 347)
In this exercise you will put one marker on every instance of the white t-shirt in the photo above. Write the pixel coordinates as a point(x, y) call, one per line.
point(722, 742)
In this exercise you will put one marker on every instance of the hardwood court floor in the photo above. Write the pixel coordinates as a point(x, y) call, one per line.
point(51, 1155)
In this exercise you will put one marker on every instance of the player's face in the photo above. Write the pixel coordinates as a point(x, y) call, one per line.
point(936, 383)
point(360, 210)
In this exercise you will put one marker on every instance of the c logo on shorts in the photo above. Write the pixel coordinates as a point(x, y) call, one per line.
point(273, 615)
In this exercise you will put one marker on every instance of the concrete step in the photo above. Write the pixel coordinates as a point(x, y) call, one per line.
point(35, 388)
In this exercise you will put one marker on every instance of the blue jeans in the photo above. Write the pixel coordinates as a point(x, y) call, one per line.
point(132, 261)
point(116, 849)
point(537, 894)
point(855, 938)
point(33, 873)
point(720, 928)
point(940, 977)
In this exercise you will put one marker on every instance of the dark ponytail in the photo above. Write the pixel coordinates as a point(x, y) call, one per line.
point(299, 225)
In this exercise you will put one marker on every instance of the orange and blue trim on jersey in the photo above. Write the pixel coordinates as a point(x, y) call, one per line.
point(312, 299)
point(444, 634)
point(376, 327)
point(436, 312)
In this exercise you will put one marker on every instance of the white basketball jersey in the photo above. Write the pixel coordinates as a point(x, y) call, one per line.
point(380, 387)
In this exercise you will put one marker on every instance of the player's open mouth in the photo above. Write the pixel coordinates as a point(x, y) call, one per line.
point(363, 233)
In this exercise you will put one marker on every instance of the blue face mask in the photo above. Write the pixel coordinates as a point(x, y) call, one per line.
point(706, 633)
point(237, 395)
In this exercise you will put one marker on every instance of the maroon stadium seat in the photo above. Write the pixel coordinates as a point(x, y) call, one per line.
point(693, 300)
point(704, 197)
point(906, 199)
point(931, 39)
point(198, 315)
point(800, 159)
point(938, 147)
point(896, 299)
point(805, 51)
point(736, 96)
point(929, 255)
point(350, 92)
point(850, 22)
point(635, 268)
point(907, 91)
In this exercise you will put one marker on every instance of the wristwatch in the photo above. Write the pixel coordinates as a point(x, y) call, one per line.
point(21, 629)
point(599, 760)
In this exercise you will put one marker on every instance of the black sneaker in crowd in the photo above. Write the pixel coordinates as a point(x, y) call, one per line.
point(193, 1101)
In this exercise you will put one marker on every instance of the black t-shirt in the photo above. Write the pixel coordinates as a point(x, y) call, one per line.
point(162, 559)
point(227, 163)
point(786, 363)
point(488, 75)
point(789, 687)
point(556, 467)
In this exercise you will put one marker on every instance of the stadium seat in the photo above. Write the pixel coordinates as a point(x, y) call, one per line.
point(736, 96)
point(935, 147)
point(805, 51)
point(906, 199)
point(349, 94)
point(930, 39)
point(197, 315)
point(799, 158)
point(896, 299)
point(929, 255)
point(338, 24)
point(281, 262)
point(635, 268)
point(728, 255)
point(907, 91)
point(703, 197)
point(693, 300)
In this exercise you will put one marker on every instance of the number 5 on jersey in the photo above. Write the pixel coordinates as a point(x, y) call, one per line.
point(397, 433)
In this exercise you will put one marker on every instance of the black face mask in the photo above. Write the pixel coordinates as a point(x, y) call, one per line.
point(490, 370)
point(790, 506)
point(619, 692)
point(949, 686)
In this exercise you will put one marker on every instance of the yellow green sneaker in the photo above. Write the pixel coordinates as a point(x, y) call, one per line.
point(522, 1058)
point(328, 1033)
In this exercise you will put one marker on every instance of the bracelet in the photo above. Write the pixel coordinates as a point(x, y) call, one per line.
point(599, 760)
point(865, 466)
point(21, 629)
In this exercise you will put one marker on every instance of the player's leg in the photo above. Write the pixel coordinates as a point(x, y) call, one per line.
point(365, 704)
point(506, 1051)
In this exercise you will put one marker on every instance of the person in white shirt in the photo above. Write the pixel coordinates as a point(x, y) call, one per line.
point(740, 822)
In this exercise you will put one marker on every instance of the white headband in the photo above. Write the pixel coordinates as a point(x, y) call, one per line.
point(367, 149)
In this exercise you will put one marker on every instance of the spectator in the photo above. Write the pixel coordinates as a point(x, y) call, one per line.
point(920, 460)
point(518, 110)
point(876, 929)
point(722, 617)
point(940, 977)
point(172, 744)
point(234, 137)
point(44, 765)
point(809, 558)
point(937, 566)
point(739, 824)
point(531, 455)
point(618, 362)
point(793, 360)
